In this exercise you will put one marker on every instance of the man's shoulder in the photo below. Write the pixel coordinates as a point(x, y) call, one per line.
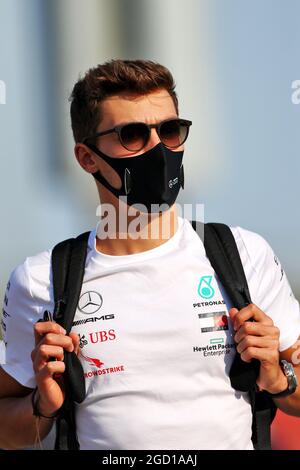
point(33, 268)
point(253, 246)
point(250, 244)
point(40, 259)
point(250, 238)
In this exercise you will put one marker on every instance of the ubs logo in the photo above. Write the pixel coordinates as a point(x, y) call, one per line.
point(90, 302)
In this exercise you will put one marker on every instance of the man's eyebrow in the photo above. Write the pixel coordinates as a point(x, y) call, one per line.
point(122, 123)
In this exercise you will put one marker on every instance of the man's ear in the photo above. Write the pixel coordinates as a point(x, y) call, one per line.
point(92, 163)
point(86, 158)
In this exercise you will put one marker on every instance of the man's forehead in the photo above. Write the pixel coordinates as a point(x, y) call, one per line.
point(123, 107)
point(154, 97)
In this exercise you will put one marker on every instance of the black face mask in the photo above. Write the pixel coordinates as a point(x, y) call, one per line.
point(153, 177)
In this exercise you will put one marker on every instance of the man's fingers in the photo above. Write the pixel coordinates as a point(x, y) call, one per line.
point(232, 313)
point(264, 355)
point(251, 312)
point(75, 339)
point(49, 369)
point(52, 339)
point(42, 328)
point(44, 353)
point(257, 342)
point(51, 389)
point(256, 329)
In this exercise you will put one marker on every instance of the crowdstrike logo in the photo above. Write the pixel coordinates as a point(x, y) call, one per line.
point(93, 361)
point(98, 369)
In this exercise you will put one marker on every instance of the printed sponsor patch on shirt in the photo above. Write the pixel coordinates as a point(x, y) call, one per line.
point(213, 321)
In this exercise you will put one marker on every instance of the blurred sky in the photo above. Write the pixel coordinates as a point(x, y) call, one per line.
point(234, 63)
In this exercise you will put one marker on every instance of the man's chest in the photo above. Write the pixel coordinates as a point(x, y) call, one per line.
point(132, 324)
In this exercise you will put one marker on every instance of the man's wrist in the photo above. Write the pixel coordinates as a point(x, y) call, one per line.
point(291, 378)
point(280, 384)
point(37, 409)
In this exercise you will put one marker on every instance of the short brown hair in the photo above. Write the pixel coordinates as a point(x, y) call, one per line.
point(114, 76)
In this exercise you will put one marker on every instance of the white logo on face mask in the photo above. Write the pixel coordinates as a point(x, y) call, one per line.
point(173, 182)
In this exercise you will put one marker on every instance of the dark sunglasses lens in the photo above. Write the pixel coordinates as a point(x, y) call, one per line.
point(173, 133)
point(134, 136)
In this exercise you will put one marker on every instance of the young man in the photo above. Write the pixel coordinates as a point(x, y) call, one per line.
point(156, 374)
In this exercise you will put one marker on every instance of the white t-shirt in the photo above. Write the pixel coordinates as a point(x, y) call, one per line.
point(156, 341)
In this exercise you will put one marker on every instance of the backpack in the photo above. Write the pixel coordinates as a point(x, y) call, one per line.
point(68, 264)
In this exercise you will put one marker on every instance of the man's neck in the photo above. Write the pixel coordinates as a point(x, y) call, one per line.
point(153, 232)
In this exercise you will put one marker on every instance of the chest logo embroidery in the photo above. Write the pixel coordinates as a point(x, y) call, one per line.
point(205, 289)
point(90, 302)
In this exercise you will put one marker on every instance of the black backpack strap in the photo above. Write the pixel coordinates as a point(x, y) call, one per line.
point(60, 259)
point(221, 249)
point(68, 264)
point(264, 411)
point(66, 435)
point(223, 254)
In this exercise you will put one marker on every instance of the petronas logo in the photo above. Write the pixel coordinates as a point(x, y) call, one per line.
point(205, 290)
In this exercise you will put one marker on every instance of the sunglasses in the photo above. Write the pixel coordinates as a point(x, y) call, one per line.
point(135, 135)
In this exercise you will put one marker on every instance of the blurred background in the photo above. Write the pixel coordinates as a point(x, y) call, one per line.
point(235, 64)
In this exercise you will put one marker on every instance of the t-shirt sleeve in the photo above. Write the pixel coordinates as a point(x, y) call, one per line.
point(269, 287)
point(19, 315)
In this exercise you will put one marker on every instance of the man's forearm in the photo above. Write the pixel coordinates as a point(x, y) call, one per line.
point(18, 426)
point(290, 404)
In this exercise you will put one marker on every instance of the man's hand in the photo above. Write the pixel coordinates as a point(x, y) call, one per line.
point(259, 339)
point(50, 342)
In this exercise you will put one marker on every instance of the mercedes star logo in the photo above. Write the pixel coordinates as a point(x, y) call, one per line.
point(90, 302)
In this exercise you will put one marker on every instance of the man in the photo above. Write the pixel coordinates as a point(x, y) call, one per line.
point(156, 373)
